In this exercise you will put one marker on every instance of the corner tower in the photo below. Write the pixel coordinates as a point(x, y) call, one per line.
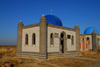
point(94, 41)
point(19, 38)
point(43, 38)
point(77, 38)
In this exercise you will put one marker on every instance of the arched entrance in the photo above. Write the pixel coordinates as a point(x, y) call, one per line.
point(63, 47)
point(62, 43)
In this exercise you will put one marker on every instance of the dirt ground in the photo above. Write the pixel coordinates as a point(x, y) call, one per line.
point(8, 55)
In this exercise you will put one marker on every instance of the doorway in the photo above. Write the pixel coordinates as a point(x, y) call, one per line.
point(62, 43)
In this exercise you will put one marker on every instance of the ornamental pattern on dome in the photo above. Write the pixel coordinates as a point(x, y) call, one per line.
point(51, 19)
point(89, 30)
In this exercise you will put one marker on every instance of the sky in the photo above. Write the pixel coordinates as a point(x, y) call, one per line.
point(85, 13)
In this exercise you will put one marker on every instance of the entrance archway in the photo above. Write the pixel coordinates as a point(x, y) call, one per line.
point(63, 48)
point(62, 43)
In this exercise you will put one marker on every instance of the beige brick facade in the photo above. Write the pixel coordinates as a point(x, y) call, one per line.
point(55, 48)
point(30, 47)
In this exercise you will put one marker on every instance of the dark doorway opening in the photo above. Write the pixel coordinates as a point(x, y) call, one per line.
point(62, 43)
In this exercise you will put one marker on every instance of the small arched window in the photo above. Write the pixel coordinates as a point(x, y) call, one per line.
point(51, 39)
point(88, 40)
point(83, 39)
point(26, 39)
point(72, 40)
point(33, 38)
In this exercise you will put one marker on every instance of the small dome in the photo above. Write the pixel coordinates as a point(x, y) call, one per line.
point(51, 19)
point(89, 30)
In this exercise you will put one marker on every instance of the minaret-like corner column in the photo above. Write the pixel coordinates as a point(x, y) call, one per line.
point(19, 39)
point(43, 39)
point(77, 38)
point(94, 41)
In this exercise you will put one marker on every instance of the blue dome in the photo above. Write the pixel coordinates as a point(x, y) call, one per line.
point(51, 19)
point(89, 30)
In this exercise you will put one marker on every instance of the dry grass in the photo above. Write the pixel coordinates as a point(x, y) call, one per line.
point(66, 62)
point(7, 54)
point(11, 60)
point(3, 51)
point(95, 55)
point(8, 51)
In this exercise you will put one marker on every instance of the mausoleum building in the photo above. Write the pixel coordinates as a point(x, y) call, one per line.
point(48, 39)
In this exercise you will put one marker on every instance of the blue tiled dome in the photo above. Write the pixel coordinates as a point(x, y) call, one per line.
point(89, 30)
point(51, 19)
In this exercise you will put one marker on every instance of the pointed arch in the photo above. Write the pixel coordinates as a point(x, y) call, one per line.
point(26, 39)
point(63, 33)
point(33, 39)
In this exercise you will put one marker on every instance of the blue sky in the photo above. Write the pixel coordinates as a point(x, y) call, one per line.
point(71, 12)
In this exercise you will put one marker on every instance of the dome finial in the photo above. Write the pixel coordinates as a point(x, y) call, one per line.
point(90, 24)
point(51, 11)
point(20, 19)
point(43, 14)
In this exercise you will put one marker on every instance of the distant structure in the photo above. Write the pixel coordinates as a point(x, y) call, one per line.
point(90, 40)
point(84, 44)
point(47, 39)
